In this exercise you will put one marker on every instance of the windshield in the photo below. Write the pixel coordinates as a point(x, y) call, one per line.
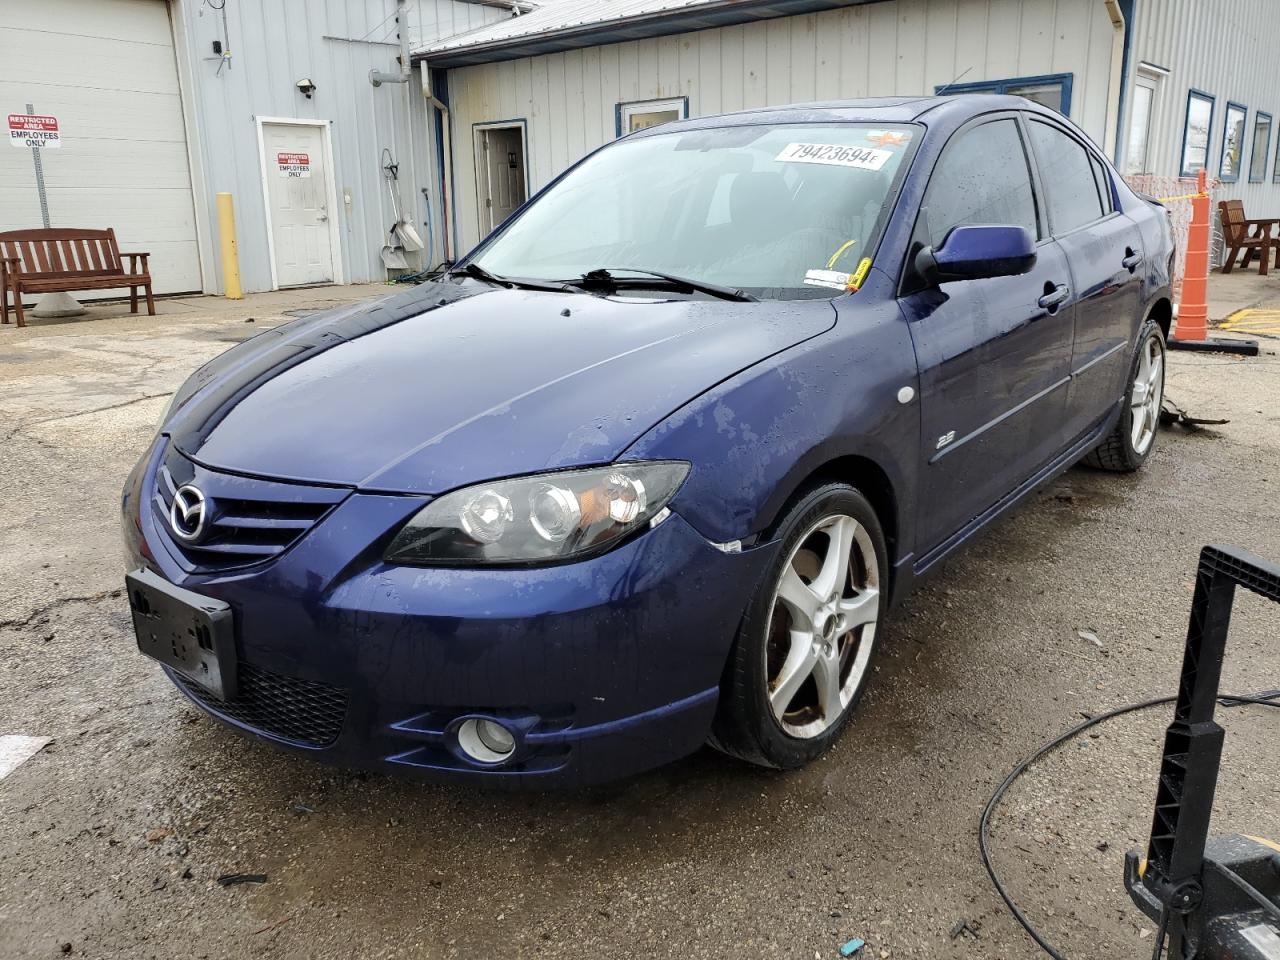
point(773, 211)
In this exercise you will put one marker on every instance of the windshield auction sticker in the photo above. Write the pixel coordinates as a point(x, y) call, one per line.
point(826, 278)
point(861, 158)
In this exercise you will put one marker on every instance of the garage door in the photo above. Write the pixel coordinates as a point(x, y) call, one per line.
point(106, 70)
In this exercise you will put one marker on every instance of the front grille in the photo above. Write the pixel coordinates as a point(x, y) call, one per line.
point(248, 520)
point(305, 712)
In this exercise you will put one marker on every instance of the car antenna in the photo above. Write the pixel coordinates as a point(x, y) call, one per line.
point(954, 80)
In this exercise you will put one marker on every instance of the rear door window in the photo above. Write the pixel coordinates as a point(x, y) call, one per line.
point(982, 178)
point(1068, 177)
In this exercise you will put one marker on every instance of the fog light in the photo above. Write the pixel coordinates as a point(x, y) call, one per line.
point(486, 741)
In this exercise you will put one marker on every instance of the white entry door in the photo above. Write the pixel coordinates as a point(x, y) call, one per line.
point(500, 158)
point(295, 166)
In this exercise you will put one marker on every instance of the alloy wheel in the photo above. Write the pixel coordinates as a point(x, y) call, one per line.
point(822, 626)
point(1146, 396)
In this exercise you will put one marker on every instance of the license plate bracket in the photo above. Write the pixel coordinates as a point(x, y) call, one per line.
point(186, 631)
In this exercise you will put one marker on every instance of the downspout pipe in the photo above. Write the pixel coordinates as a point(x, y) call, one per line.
point(446, 175)
point(1115, 89)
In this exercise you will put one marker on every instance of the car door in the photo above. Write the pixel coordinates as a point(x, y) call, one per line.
point(993, 354)
point(1104, 250)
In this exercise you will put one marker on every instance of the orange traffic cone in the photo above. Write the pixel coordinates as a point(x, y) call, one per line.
point(1193, 311)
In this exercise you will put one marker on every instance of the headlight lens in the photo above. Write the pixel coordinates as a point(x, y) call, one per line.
point(548, 517)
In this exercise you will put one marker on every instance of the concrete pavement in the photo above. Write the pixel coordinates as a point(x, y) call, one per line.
point(112, 838)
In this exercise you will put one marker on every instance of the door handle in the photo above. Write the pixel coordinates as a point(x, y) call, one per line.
point(323, 218)
point(1131, 259)
point(1053, 296)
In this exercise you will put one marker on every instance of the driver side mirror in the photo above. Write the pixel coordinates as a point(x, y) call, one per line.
point(977, 253)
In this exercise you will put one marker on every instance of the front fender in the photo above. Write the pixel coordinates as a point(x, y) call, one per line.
point(756, 438)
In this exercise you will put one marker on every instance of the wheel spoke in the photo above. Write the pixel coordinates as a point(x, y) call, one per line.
point(835, 565)
point(826, 672)
point(1153, 377)
point(1140, 392)
point(860, 610)
point(799, 598)
point(799, 664)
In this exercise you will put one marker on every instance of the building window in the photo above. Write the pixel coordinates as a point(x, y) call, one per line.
point(1261, 147)
point(1052, 91)
point(1142, 114)
point(1232, 143)
point(1195, 133)
point(642, 114)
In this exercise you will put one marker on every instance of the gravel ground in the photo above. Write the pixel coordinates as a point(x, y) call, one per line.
point(111, 839)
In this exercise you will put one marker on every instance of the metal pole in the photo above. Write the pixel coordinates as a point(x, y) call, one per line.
point(51, 304)
point(35, 156)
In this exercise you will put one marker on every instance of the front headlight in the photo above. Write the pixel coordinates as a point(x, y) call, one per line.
point(538, 519)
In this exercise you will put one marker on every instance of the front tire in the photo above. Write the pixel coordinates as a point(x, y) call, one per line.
point(1134, 436)
point(803, 653)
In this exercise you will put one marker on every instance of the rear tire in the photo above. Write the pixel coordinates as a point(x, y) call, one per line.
point(1134, 437)
point(804, 650)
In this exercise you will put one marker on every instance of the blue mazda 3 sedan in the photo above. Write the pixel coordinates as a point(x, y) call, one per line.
point(648, 467)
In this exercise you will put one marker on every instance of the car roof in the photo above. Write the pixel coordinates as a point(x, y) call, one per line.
point(871, 109)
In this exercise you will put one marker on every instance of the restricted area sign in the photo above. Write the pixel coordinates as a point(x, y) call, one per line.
point(294, 164)
point(26, 131)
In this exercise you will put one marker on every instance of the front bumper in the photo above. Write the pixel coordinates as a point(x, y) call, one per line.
point(604, 668)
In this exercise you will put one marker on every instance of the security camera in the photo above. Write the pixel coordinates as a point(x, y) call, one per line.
point(306, 87)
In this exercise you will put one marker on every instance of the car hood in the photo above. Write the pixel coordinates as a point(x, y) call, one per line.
point(459, 383)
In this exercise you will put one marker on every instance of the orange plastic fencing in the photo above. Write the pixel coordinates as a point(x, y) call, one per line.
point(1177, 194)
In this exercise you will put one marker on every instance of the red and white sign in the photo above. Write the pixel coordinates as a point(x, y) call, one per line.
point(294, 164)
point(31, 131)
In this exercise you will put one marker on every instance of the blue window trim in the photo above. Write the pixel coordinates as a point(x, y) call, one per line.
point(1193, 94)
point(1275, 169)
point(617, 110)
point(1266, 150)
point(1226, 117)
point(1001, 86)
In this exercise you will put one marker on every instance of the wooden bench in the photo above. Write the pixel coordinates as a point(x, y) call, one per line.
point(1241, 233)
point(66, 260)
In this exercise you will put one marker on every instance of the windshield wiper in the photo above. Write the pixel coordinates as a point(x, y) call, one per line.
point(604, 277)
point(477, 272)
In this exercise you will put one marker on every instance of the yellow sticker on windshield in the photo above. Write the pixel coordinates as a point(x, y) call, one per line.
point(839, 253)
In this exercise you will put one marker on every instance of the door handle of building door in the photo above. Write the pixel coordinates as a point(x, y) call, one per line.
point(323, 218)
point(1054, 296)
point(1131, 259)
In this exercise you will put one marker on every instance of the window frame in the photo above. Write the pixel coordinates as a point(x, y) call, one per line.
point(1095, 160)
point(909, 280)
point(1275, 168)
point(1194, 94)
point(1149, 79)
point(1064, 80)
point(1266, 150)
point(1222, 154)
point(624, 108)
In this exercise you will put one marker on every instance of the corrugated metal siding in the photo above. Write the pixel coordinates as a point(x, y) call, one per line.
point(1229, 49)
point(896, 47)
point(275, 43)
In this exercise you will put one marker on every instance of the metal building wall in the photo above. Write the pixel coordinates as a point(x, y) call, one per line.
point(275, 43)
point(1229, 49)
point(875, 49)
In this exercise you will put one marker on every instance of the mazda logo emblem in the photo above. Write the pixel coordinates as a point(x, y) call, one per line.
point(187, 513)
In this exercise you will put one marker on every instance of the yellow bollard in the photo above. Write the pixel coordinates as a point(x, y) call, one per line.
point(230, 259)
